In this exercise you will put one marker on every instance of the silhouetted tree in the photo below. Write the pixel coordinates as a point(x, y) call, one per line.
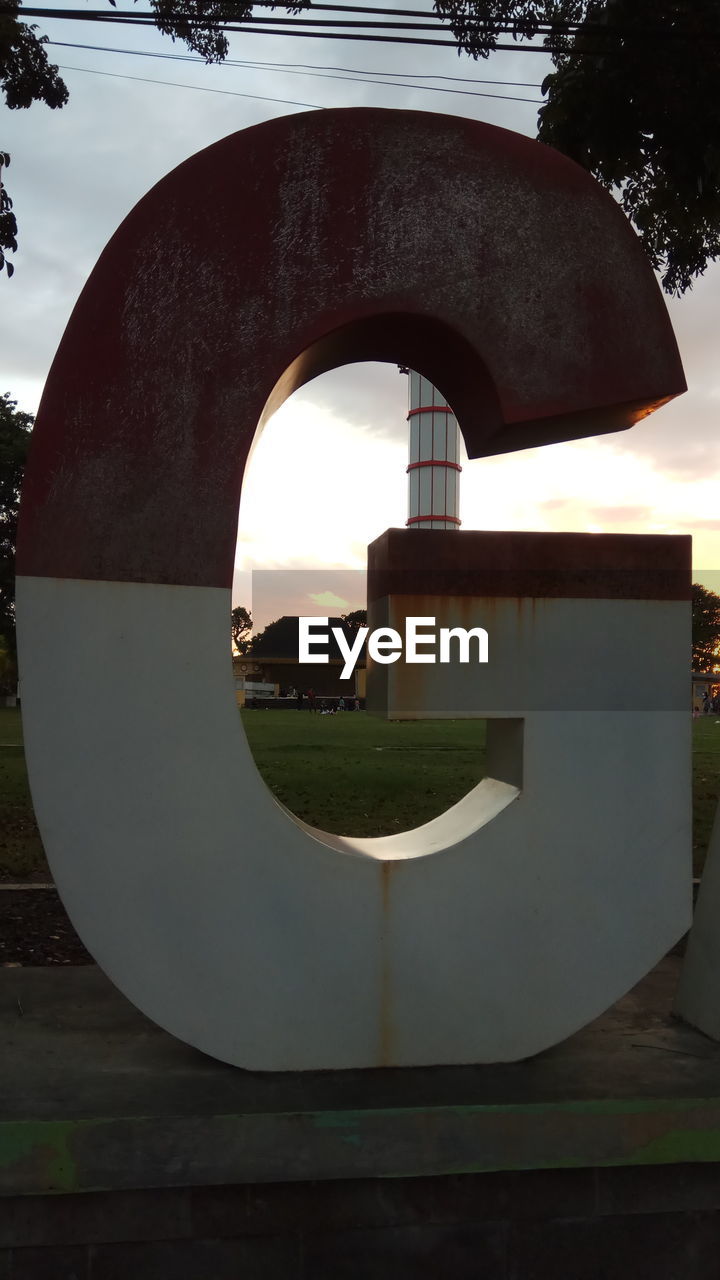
point(15, 428)
point(358, 618)
point(241, 626)
point(634, 99)
point(705, 628)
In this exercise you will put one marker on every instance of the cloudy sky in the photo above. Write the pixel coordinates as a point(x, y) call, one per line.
point(76, 173)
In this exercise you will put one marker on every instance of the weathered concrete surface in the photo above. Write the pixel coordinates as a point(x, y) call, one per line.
point(278, 947)
point(94, 1096)
point(584, 880)
point(501, 271)
point(507, 276)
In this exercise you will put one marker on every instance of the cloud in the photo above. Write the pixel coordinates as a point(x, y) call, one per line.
point(275, 592)
point(328, 599)
point(621, 515)
point(712, 526)
point(681, 438)
point(317, 491)
point(372, 397)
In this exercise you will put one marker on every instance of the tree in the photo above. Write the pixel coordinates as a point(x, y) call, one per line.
point(15, 427)
point(633, 99)
point(26, 76)
point(355, 620)
point(8, 223)
point(241, 626)
point(705, 628)
point(279, 639)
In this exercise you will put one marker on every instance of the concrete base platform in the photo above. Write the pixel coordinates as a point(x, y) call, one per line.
point(95, 1097)
point(174, 1167)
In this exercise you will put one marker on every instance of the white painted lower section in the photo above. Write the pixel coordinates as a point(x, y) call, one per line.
point(592, 867)
point(275, 947)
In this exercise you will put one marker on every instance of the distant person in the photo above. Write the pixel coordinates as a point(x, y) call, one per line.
point(706, 704)
point(311, 700)
point(341, 704)
point(357, 703)
point(300, 701)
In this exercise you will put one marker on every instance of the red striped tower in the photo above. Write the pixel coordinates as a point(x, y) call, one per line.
point(433, 467)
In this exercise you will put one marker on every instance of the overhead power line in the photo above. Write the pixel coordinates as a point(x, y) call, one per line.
point(201, 88)
point(295, 67)
point(149, 16)
point(555, 27)
point(149, 20)
point(287, 70)
point(296, 27)
point(545, 29)
point(119, 14)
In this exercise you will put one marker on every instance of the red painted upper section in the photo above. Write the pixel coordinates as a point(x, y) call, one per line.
point(490, 263)
point(605, 566)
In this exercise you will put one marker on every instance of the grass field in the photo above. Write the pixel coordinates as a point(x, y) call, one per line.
point(350, 773)
point(21, 851)
point(359, 776)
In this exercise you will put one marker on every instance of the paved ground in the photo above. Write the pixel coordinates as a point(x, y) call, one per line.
point(93, 1095)
point(74, 1045)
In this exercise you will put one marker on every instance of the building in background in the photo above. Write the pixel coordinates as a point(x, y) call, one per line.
point(272, 670)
